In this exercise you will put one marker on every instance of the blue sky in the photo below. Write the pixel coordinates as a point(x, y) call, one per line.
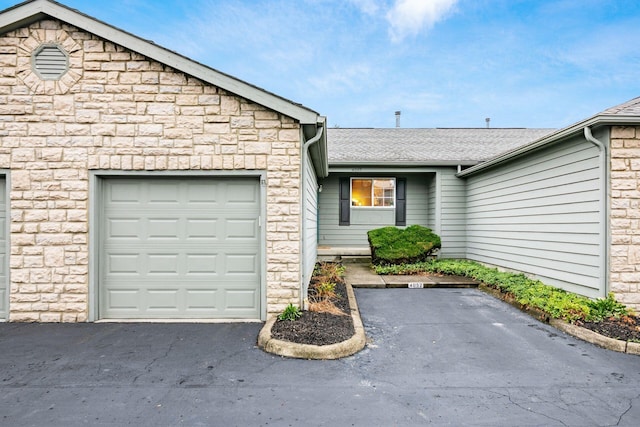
point(443, 63)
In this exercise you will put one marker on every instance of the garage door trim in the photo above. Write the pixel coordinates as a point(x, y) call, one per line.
point(6, 176)
point(96, 182)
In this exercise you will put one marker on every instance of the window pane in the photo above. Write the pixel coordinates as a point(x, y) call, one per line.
point(383, 192)
point(361, 192)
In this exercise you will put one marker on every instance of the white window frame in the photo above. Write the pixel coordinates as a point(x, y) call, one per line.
point(373, 179)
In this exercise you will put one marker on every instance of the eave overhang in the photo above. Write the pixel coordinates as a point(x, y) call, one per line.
point(553, 138)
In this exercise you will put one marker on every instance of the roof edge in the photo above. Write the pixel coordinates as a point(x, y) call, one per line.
point(402, 164)
point(597, 120)
point(28, 12)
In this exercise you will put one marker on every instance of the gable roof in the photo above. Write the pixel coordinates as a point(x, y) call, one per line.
point(625, 114)
point(31, 11)
point(427, 146)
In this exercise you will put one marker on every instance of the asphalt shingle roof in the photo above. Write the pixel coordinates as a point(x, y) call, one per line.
point(425, 146)
point(629, 108)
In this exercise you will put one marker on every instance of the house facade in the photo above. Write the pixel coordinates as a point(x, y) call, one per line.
point(419, 167)
point(138, 184)
point(561, 206)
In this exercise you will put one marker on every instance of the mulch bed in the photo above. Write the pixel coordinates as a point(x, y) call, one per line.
point(626, 328)
point(318, 328)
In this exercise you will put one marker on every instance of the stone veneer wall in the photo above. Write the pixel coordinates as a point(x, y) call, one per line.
point(625, 214)
point(117, 110)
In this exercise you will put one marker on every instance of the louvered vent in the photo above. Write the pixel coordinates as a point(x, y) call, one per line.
point(50, 62)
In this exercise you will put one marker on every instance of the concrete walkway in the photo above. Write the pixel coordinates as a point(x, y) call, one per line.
point(360, 274)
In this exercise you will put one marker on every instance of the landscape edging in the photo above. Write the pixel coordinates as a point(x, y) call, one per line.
point(577, 331)
point(310, 351)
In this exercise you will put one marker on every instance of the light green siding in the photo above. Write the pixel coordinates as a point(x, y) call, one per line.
point(450, 214)
point(435, 199)
point(541, 215)
point(365, 219)
point(310, 214)
point(431, 201)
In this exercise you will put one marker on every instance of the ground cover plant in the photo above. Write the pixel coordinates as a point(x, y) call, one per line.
point(393, 245)
point(328, 319)
point(605, 315)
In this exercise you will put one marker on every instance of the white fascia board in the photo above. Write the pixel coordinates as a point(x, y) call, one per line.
point(599, 120)
point(398, 170)
point(33, 11)
point(399, 164)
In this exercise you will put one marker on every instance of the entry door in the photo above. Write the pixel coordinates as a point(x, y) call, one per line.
point(180, 248)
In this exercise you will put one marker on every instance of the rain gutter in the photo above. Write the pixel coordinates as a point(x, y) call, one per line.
point(303, 175)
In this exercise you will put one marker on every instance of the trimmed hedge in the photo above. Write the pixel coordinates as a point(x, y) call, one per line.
point(392, 245)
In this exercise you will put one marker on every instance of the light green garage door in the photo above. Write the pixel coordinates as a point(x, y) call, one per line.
point(180, 248)
point(4, 299)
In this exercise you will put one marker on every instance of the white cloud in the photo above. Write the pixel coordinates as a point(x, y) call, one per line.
point(409, 17)
point(370, 7)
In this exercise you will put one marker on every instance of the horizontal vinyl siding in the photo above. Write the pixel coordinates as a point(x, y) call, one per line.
point(431, 202)
point(541, 215)
point(332, 234)
point(452, 215)
point(310, 231)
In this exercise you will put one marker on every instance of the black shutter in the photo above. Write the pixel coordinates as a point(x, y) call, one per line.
point(401, 201)
point(345, 201)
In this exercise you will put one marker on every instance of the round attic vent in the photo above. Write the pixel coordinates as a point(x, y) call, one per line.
point(50, 62)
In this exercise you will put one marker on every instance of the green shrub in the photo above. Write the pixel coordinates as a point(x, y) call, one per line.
point(601, 309)
point(392, 245)
point(291, 312)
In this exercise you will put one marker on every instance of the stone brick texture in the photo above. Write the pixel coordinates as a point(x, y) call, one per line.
point(625, 218)
point(117, 110)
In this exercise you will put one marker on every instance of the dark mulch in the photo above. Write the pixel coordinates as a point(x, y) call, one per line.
point(318, 328)
point(626, 328)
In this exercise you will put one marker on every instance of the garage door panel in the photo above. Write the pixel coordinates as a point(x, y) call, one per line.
point(164, 264)
point(187, 248)
point(163, 228)
point(241, 299)
point(123, 299)
point(201, 299)
point(162, 192)
point(198, 193)
point(162, 299)
point(199, 264)
point(124, 193)
point(202, 228)
point(124, 228)
point(241, 194)
point(238, 228)
point(119, 264)
point(238, 264)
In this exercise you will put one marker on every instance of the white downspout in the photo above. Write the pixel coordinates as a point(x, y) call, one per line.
point(303, 175)
point(604, 207)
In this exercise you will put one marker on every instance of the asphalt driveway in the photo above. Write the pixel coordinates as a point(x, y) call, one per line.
point(436, 356)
